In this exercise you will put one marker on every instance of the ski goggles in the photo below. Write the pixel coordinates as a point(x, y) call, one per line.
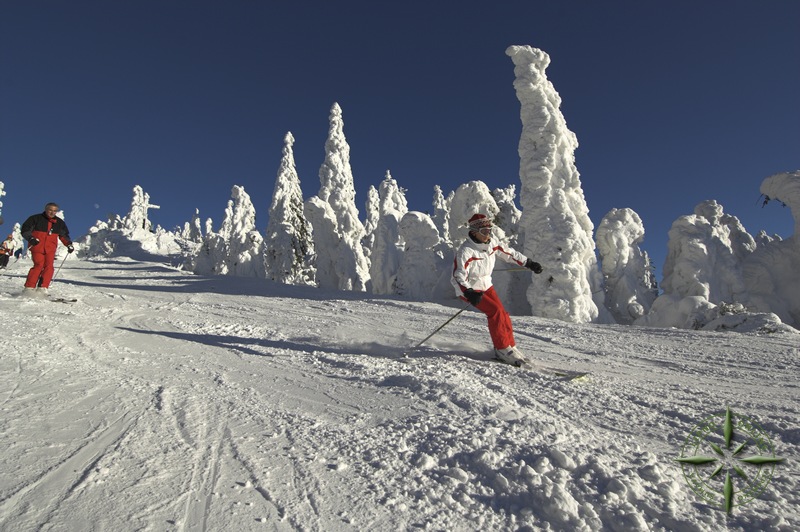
point(485, 231)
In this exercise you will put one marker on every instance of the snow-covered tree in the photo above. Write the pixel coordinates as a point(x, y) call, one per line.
point(130, 236)
point(555, 217)
point(338, 190)
point(332, 267)
point(245, 243)
point(441, 214)
point(138, 217)
point(288, 246)
point(192, 230)
point(212, 256)
point(190, 240)
point(509, 215)
point(705, 252)
point(762, 238)
point(237, 248)
point(468, 199)
point(417, 274)
point(388, 247)
point(2, 193)
point(372, 206)
point(337, 186)
point(704, 276)
point(770, 272)
point(630, 286)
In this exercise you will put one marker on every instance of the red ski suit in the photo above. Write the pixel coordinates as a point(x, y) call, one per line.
point(48, 231)
point(472, 268)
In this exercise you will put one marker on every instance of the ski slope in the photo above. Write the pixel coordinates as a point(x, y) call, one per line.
point(163, 400)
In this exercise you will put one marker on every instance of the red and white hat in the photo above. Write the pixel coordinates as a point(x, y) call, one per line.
point(477, 221)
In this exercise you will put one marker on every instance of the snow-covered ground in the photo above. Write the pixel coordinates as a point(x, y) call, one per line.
point(163, 400)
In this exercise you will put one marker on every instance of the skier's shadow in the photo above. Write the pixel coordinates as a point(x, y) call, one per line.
point(275, 348)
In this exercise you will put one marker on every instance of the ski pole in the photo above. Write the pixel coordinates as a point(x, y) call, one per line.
point(454, 316)
point(59, 267)
point(520, 269)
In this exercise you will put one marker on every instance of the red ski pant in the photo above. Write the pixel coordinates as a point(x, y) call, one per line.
point(42, 271)
point(499, 321)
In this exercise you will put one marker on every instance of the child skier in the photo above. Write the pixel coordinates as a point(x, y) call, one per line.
point(472, 279)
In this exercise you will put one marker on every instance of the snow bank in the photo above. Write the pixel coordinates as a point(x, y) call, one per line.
point(165, 400)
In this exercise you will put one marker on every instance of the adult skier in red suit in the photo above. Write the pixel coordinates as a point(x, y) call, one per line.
point(43, 231)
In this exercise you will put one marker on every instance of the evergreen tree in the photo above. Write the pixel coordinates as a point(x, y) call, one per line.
point(630, 288)
point(137, 219)
point(388, 249)
point(441, 214)
point(245, 243)
point(373, 214)
point(289, 245)
point(555, 217)
point(338, 190)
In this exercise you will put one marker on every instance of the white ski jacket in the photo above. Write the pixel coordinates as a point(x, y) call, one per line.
point(474, 262)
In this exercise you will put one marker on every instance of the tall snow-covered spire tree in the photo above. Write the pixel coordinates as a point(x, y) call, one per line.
point(555, 217)
point(288, 245)
point(337, 188)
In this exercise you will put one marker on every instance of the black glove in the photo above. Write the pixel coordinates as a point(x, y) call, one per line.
point(535, 267)
point(473, 296)
point(32, 242)
point(70, 248)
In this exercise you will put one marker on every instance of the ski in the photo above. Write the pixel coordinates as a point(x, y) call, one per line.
point(562, 374)
point(566, 375)
point(62, 300)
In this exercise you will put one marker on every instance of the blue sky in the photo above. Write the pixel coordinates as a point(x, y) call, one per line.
point(673, 103)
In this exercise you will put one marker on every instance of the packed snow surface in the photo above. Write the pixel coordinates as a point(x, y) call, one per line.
point(163, 400)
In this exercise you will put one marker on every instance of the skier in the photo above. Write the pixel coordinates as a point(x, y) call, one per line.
point(6, 250)
point(43, 231)
point(472, 279)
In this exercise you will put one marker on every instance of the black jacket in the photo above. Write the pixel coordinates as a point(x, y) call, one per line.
point(38, 226)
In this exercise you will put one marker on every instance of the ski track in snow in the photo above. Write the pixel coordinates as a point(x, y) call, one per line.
point(167, 401)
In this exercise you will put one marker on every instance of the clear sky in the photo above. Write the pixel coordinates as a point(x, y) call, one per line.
point(672, 102)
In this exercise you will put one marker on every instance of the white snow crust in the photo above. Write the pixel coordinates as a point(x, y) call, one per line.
point(164, 400)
